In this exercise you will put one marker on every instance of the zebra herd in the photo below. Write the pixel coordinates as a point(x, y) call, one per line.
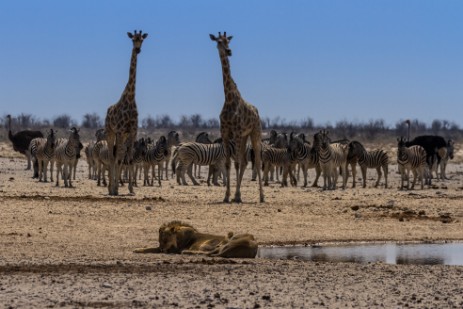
point(281, 155)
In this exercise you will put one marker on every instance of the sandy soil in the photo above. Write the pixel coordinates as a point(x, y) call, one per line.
point(70, 248)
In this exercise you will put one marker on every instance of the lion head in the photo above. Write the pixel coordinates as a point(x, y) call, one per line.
point(175, 236)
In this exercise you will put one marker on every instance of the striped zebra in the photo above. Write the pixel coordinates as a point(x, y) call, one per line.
point(331, 156)
point(278, 157)
point(203, 138)
point(42, 150)
point(305, 156)
point(445, 154)
point(187, 154)
point(65, 156)
point(377, 159)
point(88, 150)
point(413, 159)
point(100, 154)
point(172, 140)
point(155, 155)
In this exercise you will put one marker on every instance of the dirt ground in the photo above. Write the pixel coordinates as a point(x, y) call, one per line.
point(72, 247)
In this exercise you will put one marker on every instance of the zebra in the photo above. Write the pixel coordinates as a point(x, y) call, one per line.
point(100, 155)
point(278, 157)
point(139, 151)
point(65, 156)
point(412, 158)
point(367, 159)
point(88, 150)
point(187, 154)
point(445, 154)
point(303, 153)
point(278, 140)
point(42, 151)
point(203, 138)
point(155, 155)
point(330, 156)
point(172, 140)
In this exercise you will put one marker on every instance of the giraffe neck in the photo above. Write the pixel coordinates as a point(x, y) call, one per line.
point(229, 86)
point(129, 91)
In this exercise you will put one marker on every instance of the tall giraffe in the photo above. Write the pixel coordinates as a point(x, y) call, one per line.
point(122, 122)
point(239, 120)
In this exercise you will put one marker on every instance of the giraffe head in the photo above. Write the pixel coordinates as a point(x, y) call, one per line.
point(222, 43)
point(137, 39)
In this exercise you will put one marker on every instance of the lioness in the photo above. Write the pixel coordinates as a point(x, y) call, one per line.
point(181, 238)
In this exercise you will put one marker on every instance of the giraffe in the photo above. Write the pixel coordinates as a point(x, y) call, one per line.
point(122, 122)
point(239, 121)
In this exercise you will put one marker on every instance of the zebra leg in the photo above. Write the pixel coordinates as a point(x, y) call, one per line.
point(40, 163)
point(378, 170)
point(28, 157)
point(415, 176)
point(385, 170)
point(182, 171)
point(44, 171)
point(266, 171)
point(51, 169)
point(364, 176)
point(190, 174)
point(354, 175)
point(318, 172)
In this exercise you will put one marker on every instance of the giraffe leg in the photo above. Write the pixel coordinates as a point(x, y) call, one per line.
point(111, 140)
point(226, 143)
point(256, 145)
point(240, 157)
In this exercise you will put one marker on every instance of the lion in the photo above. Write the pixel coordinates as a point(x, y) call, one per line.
point(181, 238)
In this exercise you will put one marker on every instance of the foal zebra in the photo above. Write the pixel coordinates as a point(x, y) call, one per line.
point(42, 150)
point(305, 156)
point(65, 156)
point(367, 159)
point(155, 155)
point(187, 154)
point(330, 156)
point(412, 158)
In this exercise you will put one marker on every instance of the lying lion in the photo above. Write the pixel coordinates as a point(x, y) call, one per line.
point(181, 238)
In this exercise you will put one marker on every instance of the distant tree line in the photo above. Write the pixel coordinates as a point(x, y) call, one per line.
point(341, 129)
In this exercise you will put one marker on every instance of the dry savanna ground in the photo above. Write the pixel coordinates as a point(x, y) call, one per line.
point(72, 247)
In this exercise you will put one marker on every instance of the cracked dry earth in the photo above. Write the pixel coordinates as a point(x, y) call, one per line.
point(72, 247)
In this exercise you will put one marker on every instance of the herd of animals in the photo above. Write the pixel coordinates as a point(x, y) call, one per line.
point(282, 155)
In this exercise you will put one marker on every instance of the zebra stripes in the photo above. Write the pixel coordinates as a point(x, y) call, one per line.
point(377, 159)
point(42, 151)
point(278, 157)
point(187, 154)
point(66, 155)
point(413, 159)
point(305, 155)
point(154, 156)
point(331, 156)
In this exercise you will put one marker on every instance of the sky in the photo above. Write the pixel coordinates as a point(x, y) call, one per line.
point(330, 61)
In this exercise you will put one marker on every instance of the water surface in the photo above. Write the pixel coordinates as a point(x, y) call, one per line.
point(391, 253)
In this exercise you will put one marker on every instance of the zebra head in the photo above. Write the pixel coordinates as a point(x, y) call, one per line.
point(173, 138)
point(222, 43)
point(322, 139)
point(137, 39)
point(295, 145)
point(100, 134)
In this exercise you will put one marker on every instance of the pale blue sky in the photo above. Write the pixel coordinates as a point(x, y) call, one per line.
point(327, 60)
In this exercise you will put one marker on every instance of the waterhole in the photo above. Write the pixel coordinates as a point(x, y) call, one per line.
point(390, 253)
